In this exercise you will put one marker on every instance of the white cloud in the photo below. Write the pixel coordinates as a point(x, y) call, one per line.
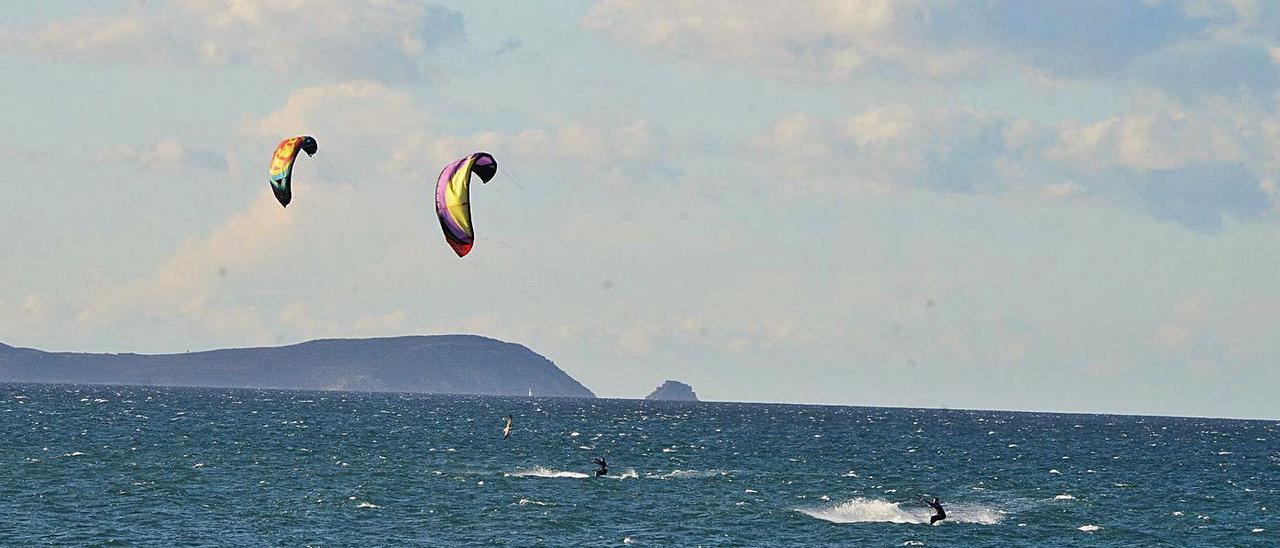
point(635, 341)
point(356, 109)
point(1268, 187)
point(1167, 139)
point(93, 39)
point(1212, 47)
point(307, 322)
point(366, 39)
point(614, 152)
point(1062, 190)
point(357, 125)
point(34, 309)
point(242, 240)
point(885, 148)
point(821, 40)
point(1196, 164)
point(165, 156)
point(187, 282)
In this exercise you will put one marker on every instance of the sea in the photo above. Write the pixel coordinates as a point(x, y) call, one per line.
point(147, 466)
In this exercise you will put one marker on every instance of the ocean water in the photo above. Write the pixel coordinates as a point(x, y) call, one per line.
point(97, 465)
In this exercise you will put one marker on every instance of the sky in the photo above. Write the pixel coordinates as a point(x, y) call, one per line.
point(1069, 206)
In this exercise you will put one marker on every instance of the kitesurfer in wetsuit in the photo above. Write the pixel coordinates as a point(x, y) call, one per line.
point(940, 515)
point(604, 467)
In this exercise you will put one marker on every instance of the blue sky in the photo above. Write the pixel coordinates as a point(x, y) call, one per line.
point(1066, 207)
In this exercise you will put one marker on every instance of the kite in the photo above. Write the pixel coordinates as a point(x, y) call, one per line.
point(282, 165)
point(453, 198)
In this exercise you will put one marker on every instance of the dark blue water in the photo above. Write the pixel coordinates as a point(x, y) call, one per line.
point(169, 466)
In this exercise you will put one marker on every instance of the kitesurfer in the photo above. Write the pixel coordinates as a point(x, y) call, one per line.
point(604, 467)
point(940, 513)
point(506, 430)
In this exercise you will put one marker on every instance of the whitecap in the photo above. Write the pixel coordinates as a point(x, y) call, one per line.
point(686, 474)
point(1257, 530)
point(1064, 497)
point(523, 502)
point(1088, 528)
point(543, 472)
point(1054, 471)
point(367, 505)
point(864, 510)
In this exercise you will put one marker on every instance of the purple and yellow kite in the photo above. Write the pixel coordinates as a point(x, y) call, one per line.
point(453, 198)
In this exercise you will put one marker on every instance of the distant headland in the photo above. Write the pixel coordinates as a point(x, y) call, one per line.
point(673, 391)
point(434, 364)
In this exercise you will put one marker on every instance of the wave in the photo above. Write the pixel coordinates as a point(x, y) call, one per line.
point(543, 472)
point(863, 510)
point(689, 474)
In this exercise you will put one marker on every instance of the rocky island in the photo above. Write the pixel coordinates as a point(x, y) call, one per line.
point(437, 364)
point(673, 391)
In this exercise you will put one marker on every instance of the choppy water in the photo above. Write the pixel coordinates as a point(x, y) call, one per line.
point(167, 466)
